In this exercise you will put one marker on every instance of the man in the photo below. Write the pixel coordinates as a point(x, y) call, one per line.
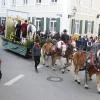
point(24, 31)
point(65, 37)
point(18, 30)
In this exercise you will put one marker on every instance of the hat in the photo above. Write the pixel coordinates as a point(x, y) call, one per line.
point(64, 30)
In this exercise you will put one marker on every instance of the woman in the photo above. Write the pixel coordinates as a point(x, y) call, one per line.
point(36, 53)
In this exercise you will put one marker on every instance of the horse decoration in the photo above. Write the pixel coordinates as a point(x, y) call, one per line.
point(82, 60)
point(54, 50)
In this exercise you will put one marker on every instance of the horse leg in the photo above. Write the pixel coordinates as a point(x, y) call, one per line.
point(53, 62)
point(86, 78)
point(98, 82)
point(76, 77)
point(67, 63)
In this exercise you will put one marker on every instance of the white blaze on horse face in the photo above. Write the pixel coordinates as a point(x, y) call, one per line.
point(64, 49)
point(59, 44)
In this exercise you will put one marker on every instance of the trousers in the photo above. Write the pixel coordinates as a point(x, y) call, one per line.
point(37, 61)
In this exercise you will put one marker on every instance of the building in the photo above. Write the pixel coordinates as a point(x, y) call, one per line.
point(77, 16)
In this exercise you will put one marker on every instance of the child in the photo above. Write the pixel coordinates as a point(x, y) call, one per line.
point(36, 53)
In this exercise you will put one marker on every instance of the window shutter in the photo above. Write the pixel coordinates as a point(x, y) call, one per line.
point(80, 31)
point(73, 26)
point(42, 24)
point(36, 24)
point(58, 25)
point(33, 21)
point(47, 23)
point(0, 20)
point(92, 27)
point(86, 26)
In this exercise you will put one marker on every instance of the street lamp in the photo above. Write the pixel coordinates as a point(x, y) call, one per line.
point(98, 16)
point(74, 10)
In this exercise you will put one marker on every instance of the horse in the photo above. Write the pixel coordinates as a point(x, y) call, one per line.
point(95, 69)
point(69, 56)
point(55, 50)
point(81, 59)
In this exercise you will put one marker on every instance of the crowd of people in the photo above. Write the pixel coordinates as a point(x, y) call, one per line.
point(2, 29)
point(24, 30)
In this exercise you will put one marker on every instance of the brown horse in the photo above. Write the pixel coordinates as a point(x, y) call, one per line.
point(80, 60)
point(94, 69)
point(54, 50)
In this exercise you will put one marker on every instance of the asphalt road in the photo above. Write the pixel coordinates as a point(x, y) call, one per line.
point(21, 82)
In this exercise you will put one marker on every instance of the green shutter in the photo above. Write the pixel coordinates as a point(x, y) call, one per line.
point(36, 24)
point(58, 25)
point(42, 24)
point(33, 21)
point(86, 26)
point(47, 23)
point(0, 20)
point(73, 26)
point(92, 27)
point(80, 31)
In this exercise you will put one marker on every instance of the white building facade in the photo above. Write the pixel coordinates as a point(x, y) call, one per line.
point(77, 16)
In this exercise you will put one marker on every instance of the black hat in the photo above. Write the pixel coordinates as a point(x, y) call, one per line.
point(64, 30)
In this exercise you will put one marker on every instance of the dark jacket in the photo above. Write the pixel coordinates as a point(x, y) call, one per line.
point(65, 38)
point(36, 50)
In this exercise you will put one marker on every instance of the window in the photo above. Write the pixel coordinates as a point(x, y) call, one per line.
point(53, 0)
point(3, 3)
point(38, 24)
point(38, 1)
point(77, 26)
point(89, 27)
point(86, 3)
point(53, 25)
point(25, 1)
point(13, 2)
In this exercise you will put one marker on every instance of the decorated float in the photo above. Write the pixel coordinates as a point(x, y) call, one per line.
point(9, 40)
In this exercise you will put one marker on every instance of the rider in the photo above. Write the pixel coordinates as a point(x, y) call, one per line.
point(65, 37)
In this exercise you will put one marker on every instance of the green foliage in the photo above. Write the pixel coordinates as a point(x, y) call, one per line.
point(29, 43)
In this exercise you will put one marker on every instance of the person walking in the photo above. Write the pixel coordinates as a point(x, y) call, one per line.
point(36, 54)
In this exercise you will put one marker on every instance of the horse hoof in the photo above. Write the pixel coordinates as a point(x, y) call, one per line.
point(78, 82)
point(53, 69)
point(75, 80)
point(68, 70)
point(86, 86)
point(62, 72)
point(47, 66)
point(98, 92)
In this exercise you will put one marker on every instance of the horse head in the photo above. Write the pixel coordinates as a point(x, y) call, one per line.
point(62, 47)
point(98, 59)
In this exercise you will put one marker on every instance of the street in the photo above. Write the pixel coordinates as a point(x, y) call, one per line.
point(21, 82)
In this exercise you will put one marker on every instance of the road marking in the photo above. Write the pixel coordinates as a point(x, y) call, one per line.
point(12, 81)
